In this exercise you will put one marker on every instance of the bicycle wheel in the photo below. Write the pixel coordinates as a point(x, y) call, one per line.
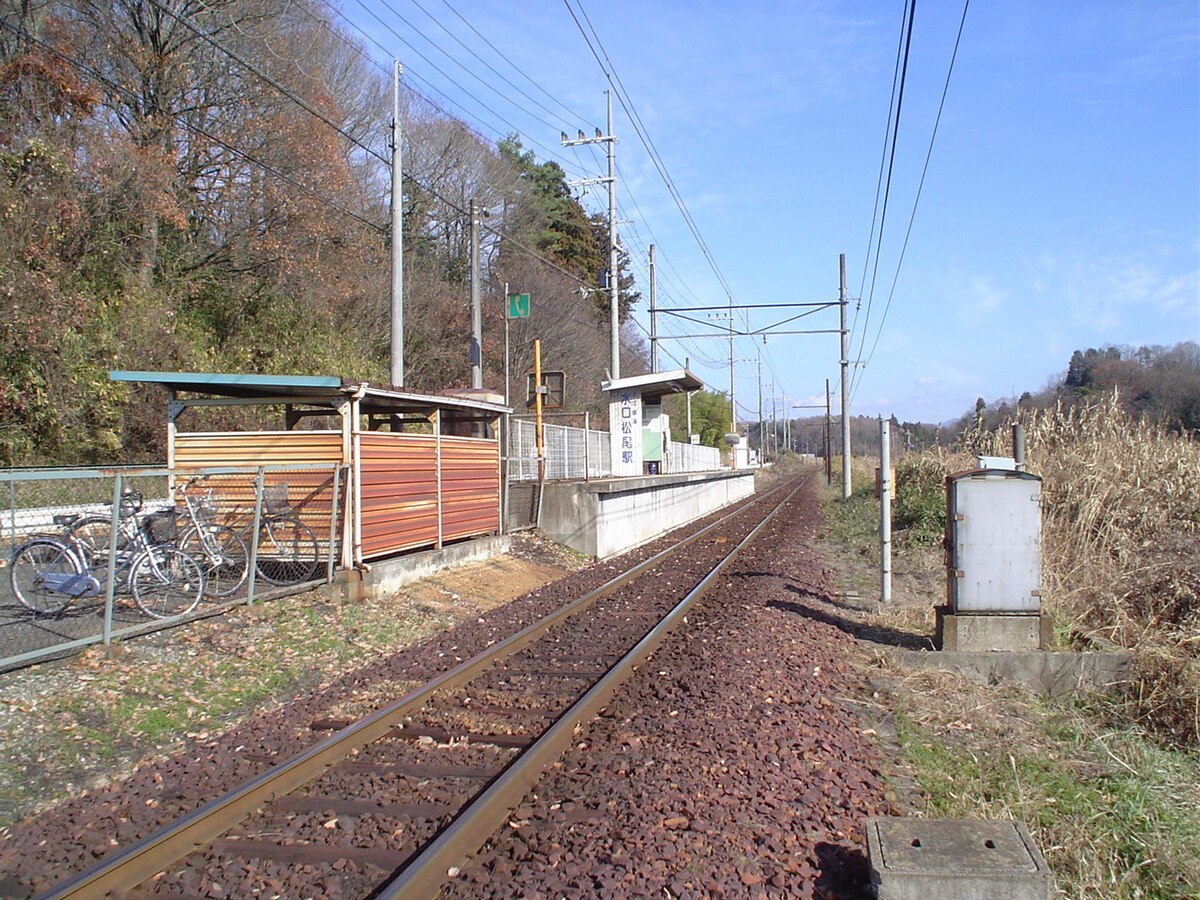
point(93, 534)
point(288, 552)
point(165, 582)
point(37, 567)
point(222, 556)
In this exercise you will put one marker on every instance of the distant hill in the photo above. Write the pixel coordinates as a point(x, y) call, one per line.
point(1155, 383)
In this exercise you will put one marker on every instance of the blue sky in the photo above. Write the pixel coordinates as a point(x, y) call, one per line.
point(1061, 208)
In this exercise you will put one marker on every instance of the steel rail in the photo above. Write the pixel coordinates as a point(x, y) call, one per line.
point(424, 876)
point(127, 868)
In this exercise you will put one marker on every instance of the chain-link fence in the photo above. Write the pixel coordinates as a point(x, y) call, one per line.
point(93, 556)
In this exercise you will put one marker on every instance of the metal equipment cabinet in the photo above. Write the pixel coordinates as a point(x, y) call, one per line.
point(993, 560)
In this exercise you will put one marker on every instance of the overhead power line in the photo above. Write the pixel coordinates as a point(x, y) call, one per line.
point(921, 184)
point(895, 133)
point(610, 73)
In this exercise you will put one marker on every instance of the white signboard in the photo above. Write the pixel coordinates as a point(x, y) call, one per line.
point(625, 432)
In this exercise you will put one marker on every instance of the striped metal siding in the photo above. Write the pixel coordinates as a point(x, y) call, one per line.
point(309, 494)
point(257, 448)
point(398, 475)
point(470, 487)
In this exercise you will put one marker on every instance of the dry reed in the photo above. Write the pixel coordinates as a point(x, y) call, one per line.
point(1121, 543)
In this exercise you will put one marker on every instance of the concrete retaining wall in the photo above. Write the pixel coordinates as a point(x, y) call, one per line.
point(606, 517)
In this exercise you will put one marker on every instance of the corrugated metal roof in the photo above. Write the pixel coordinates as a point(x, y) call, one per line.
point(228, 385)
point(304, 388)
point(656, 383)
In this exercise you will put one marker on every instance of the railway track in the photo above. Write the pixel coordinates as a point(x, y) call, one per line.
point(392, 804)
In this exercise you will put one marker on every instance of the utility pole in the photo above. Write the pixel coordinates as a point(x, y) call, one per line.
point(774, 425)
point(732, 399)
point(614, 280)
point(828, 439)
point(762, 454)
point(885, 510)
point(614, 287)
point(687, 362)
point(845, 336)
point(653, 315)
point(397, 324)
point(476, 303)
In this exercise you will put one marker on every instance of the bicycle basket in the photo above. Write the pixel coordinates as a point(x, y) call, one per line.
point(160, 526)
point(202, 503)
point(131, 502)
point(275, 498)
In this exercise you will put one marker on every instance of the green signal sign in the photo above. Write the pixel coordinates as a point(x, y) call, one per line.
point(518, 306)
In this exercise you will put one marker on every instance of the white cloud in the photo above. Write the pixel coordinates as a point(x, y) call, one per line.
point(985, 295)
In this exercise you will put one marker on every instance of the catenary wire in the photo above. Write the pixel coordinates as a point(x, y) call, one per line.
point(921, 184)
point(911, 16)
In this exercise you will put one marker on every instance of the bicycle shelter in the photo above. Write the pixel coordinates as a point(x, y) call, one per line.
point(419, 470)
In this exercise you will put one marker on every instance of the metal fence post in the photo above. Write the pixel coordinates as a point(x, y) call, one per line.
point(110, 585)
point(333, 521)
point(259, 481)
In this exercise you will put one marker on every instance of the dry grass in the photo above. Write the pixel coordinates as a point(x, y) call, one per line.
point(1121, 544)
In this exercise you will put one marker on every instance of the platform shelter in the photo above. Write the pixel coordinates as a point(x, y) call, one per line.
point(639, 430)
point(410, 470)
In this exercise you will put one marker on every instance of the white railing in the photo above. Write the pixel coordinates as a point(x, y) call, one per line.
point(692, 458)
point(567, 458)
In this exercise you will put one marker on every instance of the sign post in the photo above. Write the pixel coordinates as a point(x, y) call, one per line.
point(518, 308)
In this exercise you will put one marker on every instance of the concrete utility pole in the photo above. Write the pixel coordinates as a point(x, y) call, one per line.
point(476, 303)
point(614, 287)
point(614, 279)
point(885, 510)
point(845, 335)
point(762, 454)
point(397, 337)
point(687, 402)
point(828, 439)
point(653, 314)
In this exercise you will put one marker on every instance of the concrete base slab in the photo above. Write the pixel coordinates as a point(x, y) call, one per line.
point(384, 576)
point(1055, 674)
point(970, 633)
point(955, 859)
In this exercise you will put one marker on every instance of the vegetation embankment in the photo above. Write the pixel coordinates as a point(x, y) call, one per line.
point(1110, 784)
point(166, 205)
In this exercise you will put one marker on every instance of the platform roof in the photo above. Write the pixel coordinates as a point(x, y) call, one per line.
point(677, 381)
point(306, 389)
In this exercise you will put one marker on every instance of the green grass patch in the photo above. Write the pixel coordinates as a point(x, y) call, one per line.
point(1116, 815)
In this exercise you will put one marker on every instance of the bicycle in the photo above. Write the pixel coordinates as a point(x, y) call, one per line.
point(288, 552)
point(48, 573)
point(220, 551)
